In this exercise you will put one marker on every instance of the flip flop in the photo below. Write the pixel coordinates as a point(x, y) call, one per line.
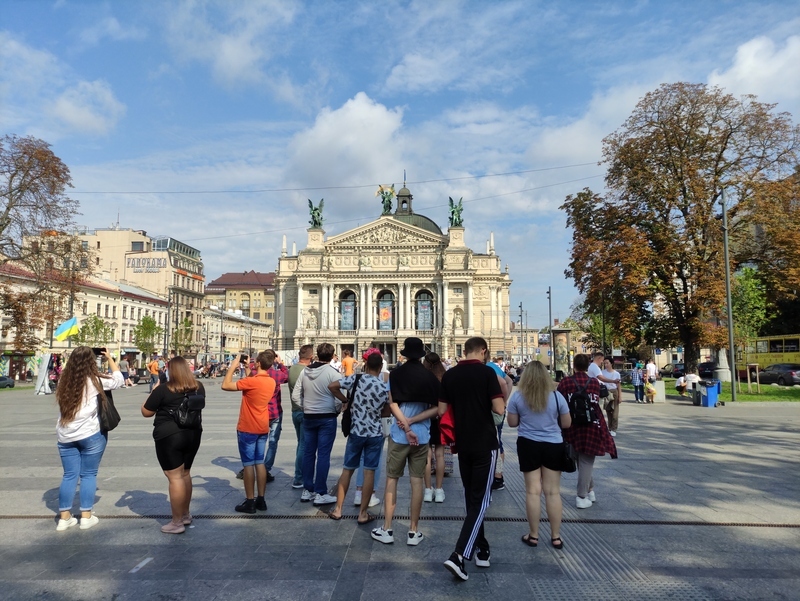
point(371, 518)
point(557, 542)
point(529, 540)
point(333, 517)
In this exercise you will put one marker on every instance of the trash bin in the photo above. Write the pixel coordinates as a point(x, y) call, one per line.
point(694, 392)
point(710, 391)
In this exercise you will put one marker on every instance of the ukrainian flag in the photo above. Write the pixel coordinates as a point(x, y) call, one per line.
point(67, 329)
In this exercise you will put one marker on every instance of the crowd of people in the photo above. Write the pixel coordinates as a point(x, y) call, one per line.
point(422, 407)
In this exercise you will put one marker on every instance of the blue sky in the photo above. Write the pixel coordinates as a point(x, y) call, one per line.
point(211, 121)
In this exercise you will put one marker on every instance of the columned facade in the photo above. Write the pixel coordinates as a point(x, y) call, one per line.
point(392, 278)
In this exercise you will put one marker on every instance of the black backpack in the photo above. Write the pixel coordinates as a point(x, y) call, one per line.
point(188, 414)
point(347, 415)
point(581, 407)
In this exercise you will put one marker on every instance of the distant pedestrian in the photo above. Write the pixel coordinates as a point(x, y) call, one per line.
point(612, 380)
point(592, 439)
point(81, 442)
point(637, 379)
point(652, 371)
point(540, 413)
point(176, 447)
point(433, 362)
point(473, 391)
point(302, 360)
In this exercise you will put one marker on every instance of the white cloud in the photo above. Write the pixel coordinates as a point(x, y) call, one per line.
point(765, 69)
point(88, 107)
point(110, 28)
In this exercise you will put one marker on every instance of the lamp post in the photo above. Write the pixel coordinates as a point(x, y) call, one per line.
point(731, 348)
point(550, 326)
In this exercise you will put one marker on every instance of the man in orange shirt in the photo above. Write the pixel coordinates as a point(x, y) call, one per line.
point(253, 427)
point(348, 363)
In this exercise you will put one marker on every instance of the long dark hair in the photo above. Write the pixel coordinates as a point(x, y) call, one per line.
point(80, 368)
point(434, 363)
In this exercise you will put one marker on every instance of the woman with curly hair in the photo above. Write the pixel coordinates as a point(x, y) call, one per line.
point(176, 447)
point(81, 443)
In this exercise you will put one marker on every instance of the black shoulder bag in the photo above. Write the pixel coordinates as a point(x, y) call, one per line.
point(188, 415)
point(568, 454)
point(107, 413)
point(347, 416)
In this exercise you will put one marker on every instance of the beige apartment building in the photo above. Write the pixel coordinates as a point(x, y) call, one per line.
point(250, 292)
point(168, 267)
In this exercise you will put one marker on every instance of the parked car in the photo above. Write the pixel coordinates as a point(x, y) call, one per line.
point(6, 382)
point(706, 370)
point(783, 374)
point(673, 370)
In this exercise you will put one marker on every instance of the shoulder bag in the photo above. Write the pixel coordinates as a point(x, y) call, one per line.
point(568, 454)
point(347, 416)
point(188, 415)
point(107, 413)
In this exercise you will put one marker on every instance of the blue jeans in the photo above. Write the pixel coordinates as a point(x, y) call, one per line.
point(80, 459)
point(297, 420)
point(318, 435)
point(360, 471)
point(638, 392)
point(153, 380)
point(274, 437)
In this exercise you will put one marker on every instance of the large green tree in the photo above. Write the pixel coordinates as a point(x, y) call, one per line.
point(653, 242)
point(94, 332)
point(182, 337)
point(147, 334)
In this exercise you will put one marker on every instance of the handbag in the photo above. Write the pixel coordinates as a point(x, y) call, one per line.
point(603, 391)
point(347, 416)
point(568, 460)
point(188, 414)
point(107, 413)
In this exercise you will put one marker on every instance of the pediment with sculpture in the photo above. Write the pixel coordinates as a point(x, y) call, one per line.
point(385, 234)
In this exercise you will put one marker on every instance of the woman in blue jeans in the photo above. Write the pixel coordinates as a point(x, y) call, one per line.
point(80, 441)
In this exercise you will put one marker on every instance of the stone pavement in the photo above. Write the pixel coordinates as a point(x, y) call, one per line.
point(701, 504)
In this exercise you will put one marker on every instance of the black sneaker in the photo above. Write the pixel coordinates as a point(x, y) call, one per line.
point(270, 477)
point(482, 558)
point(261, 504)
point(246, 506)
point(456, 566)
point(499, 484)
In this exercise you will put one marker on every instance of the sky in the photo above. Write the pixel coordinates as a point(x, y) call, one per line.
point(214, 122)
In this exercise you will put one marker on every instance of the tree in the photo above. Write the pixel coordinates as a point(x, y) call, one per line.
point(146, 335)
point(750, 307)
point(94, 332)
point(182, 337)
point(653, 244)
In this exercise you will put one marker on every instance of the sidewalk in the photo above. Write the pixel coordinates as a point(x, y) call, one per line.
point(701, 504)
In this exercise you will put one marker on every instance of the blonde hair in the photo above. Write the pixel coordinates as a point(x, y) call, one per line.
point(535, 386)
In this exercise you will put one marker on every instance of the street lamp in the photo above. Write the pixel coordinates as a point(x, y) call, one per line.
point(731, 349)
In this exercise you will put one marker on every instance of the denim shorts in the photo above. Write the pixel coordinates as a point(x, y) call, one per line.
point(369, 446)
point(251, 447)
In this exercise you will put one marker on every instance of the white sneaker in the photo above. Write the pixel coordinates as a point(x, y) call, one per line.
point(325, 499)
point(307, 496)
point(427, 496)
point(414, 538)
point(64, 524)
point(87, 523)
point(612, 432)
point(384, 536)
point(582, 503)
point(373, 500)
point(357, 498)
point(438, 495)
point(591, 496)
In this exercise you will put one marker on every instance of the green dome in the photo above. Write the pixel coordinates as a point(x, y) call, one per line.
point(420, 221)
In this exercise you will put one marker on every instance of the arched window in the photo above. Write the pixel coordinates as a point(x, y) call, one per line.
point(424, 310)
point(348, 310)
point(386, 311)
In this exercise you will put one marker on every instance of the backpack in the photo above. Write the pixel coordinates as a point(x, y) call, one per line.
point(347, 416)
point(581, 407)
point(188, 414)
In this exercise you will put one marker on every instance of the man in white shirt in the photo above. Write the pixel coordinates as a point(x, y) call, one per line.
point(652, 371)
point(594, 371)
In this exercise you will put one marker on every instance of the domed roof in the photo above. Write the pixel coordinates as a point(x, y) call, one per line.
point(418, 220)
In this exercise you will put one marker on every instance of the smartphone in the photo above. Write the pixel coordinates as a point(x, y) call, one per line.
point(98, 351)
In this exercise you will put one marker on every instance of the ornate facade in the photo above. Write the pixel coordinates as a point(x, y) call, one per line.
point(394, 277)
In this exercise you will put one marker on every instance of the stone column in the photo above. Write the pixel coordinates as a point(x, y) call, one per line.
point(281, 298)
point(362, 307)
point(447, 321)
point(439, 306)
point(370, 313)
point(323, 306)
point(300, 320)
point(332, 317)
point(469, 324)
point(492, 308)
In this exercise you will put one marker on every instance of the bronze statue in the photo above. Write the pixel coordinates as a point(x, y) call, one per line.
point(386, 193)
point(455, 212)
point(316, 213)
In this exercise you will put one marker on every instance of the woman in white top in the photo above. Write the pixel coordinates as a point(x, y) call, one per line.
point(611, 405)
point(80, 441)
point(536, 409)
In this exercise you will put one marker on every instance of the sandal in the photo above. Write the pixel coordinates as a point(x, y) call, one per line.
point(529, 540)
point(557, 542)
point(334, 517)
point(370, 518)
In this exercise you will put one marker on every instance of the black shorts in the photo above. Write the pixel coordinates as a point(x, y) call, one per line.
point(534, 454)
point(178, 449)
point(436, 437)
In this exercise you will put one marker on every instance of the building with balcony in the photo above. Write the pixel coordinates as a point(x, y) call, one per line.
point(250, 292)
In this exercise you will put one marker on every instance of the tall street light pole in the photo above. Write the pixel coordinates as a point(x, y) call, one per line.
point(521, 335)
point(550, 325)
point(731, 348)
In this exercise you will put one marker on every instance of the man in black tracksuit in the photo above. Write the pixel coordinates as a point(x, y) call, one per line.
point(473, 391)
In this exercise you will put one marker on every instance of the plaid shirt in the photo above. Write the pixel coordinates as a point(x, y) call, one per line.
point(281, 375)
point(591, 439)
point(637, 377)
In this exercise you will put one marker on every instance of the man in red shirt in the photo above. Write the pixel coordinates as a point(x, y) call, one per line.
point(253, 427)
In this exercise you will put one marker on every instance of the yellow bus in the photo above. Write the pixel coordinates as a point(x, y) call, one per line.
point(767, 350)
